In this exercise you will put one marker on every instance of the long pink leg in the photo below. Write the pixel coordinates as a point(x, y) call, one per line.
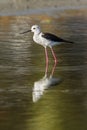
point(53, 69)
point(46, 53)
point(53, 54)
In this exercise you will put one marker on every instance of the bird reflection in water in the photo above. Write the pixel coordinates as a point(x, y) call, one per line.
point(44, 83)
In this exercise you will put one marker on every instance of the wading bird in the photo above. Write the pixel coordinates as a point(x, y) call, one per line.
point(46, 40)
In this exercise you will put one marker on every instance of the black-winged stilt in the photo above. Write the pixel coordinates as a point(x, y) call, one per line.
point(46, 40)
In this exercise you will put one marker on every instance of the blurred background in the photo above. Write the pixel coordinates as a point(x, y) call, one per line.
point(29, 99)
point(20, 5)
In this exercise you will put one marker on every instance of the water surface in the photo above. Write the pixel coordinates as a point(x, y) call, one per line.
point(31, 100)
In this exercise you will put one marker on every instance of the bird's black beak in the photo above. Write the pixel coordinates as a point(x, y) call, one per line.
point(25, 32)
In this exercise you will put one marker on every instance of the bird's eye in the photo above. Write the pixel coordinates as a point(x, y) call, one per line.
point(33, 28)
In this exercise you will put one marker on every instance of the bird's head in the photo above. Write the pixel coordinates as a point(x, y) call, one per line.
point(34, 29)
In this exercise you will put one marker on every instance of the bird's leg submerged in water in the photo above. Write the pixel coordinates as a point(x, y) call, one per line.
point(46, 54)
point(53, 54)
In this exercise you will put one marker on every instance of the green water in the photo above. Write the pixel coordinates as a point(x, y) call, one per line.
point(25, 102)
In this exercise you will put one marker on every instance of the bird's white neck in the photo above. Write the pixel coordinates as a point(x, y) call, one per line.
point(37, 32)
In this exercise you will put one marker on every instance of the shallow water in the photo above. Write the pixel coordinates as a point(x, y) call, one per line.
point(31, 100)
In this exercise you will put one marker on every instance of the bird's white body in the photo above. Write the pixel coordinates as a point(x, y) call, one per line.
point(38, 39)
point(43, 41)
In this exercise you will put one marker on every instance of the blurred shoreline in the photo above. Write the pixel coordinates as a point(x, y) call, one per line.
point(9, 7)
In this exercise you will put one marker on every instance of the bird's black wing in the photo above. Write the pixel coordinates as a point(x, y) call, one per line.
point(54, 38)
